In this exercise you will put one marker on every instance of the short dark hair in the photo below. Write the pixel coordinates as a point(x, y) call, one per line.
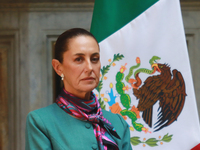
point(62, 42)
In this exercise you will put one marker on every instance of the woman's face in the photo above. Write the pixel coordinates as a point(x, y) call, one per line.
point(81, 65)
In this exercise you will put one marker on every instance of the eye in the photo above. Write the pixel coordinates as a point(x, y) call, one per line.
point(79, 59)
point(95, 59)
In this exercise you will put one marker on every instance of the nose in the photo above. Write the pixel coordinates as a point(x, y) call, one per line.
point(88, 66)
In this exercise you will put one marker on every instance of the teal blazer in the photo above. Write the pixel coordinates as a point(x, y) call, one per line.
point(51, 128)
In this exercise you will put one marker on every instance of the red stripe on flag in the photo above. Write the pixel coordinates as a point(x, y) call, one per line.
point(197, 147)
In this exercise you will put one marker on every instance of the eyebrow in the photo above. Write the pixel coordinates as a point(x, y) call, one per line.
point(81, 54)
point(95, 54)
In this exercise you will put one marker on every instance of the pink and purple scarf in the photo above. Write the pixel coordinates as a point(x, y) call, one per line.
point(90, 110)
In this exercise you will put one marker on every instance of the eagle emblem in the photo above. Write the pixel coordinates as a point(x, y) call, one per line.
point(167, 88)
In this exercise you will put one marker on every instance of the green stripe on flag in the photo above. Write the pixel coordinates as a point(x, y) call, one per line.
point(111, 15)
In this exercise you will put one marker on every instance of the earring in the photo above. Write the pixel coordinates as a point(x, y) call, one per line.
point(62, 76)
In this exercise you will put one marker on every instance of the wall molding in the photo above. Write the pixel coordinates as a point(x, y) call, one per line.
point(190, 6)
point(4, 140)
point(193, 38)
point(86, 6)
point(9, 39)
point(38, 7)
point(49, 36)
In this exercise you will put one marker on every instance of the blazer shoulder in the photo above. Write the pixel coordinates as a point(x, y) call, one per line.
point(48, 114)
point(48, 110)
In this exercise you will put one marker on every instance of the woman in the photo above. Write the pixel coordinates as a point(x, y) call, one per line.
point(76, 121)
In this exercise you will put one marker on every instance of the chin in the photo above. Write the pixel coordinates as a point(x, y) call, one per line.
point(89, 88)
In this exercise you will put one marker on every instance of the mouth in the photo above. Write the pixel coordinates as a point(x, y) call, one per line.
point(156, 67)
point(88, 79)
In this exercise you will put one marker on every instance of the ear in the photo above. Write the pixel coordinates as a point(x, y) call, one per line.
point(57, 66)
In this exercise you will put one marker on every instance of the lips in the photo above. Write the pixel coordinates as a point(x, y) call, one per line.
point(88, 78)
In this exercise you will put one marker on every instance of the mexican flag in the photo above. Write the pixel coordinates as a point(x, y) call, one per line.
point(145, 74)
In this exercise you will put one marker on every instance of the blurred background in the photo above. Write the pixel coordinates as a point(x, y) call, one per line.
point(28, 30)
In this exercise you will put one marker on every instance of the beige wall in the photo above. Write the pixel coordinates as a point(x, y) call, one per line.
point(191, 20)
point(28, 31)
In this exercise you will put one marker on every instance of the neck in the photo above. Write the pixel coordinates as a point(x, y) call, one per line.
point(87, 96)
point(81, 95)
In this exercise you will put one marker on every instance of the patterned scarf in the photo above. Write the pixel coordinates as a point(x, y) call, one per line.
point(90, 110)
